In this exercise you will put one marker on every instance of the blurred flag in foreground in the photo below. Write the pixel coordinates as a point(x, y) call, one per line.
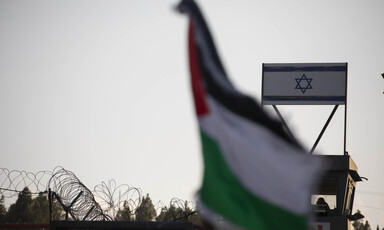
point(255, 175)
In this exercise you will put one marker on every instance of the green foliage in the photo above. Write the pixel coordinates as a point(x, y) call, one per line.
point(367, 226)
point(146, 211)
point(36, 210)
point(179, 214)
point(169, 214)
point(124, 213)
point(57, 211)
point(40, 207)
point(196, 219)
point(359, 225)
point(3, 211)
point(21, 211)
point(30, 210)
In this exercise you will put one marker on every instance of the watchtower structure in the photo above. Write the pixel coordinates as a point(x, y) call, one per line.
point(318, 84)
point(333, 199)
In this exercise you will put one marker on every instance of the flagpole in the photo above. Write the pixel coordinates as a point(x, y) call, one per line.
point(345, 112)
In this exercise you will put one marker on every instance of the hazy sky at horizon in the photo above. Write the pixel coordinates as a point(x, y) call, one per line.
point(102, 87)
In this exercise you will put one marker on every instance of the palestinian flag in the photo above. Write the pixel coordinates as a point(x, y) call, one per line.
point(255, 176)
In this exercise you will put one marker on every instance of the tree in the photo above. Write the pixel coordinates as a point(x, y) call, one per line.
point(146, 211)
point(196, 219)
point(124, 213)
point(182, 213)
point(162, 216)
point(169, 214)
point(40, 207)
point(21, 211)
point(3, 211)
point(367, 226)
point(57, 211)
point(28, 210)
point(359, 225)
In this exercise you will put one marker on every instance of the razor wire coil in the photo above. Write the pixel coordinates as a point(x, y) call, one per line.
point(103, 203)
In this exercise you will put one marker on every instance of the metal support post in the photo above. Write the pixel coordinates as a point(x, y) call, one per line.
point(324, 128)
point(283, 122)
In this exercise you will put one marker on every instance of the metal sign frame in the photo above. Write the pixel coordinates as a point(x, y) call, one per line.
point(281, 85)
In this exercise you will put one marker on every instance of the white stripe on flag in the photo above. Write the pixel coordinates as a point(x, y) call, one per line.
point(266, 165)
point(215, 218)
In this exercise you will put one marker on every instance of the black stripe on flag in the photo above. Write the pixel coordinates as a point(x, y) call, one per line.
point(216, 82)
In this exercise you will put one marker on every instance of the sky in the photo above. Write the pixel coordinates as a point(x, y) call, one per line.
point(101, 88)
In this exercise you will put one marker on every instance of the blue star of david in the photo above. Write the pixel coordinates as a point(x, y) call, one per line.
point(305, 85)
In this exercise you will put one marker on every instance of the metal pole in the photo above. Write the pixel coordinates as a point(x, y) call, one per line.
point(283, 121)
point(74, 200)
point(50, 201)
point(323, 130)
point(89, 211)
point(345, 113)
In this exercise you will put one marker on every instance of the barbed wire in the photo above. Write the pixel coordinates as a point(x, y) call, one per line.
point(178, 210)
point(112, 198)
point(14, 181)
point(74, 196)
point(160, 207)
point(103, 203)
point(181, 208)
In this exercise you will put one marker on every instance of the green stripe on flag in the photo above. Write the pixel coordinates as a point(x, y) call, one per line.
point(222, 193)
